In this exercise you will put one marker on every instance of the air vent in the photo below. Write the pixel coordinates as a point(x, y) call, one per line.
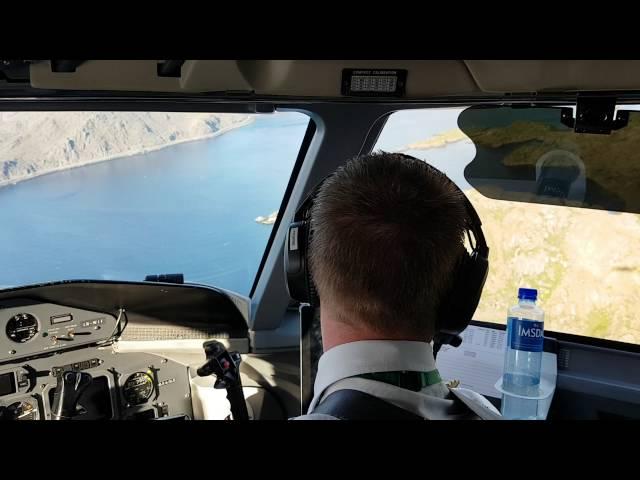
point(134, 332)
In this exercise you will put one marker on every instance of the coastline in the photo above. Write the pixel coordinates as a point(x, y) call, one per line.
point(143, 151)
point(440, 140)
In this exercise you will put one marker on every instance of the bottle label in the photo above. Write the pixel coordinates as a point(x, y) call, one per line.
point(526, 335)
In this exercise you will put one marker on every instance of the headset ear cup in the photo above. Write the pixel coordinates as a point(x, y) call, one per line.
point(300, 283)
point(295, 262)
point(460, 303)
point(299, 280)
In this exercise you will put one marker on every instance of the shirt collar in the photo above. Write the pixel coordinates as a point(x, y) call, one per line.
point(371, 356)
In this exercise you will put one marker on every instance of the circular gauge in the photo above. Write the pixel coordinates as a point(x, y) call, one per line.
point(138, 388)
point(22, 327)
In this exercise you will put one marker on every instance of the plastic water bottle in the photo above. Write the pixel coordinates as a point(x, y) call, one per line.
point(523, 356)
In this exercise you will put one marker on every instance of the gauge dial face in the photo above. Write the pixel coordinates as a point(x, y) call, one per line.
point(138, 388)
point(22, 327)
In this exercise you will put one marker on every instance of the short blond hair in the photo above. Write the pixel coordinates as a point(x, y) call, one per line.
point(388, 230)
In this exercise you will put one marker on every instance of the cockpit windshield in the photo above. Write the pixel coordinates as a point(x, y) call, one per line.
point(122, 195)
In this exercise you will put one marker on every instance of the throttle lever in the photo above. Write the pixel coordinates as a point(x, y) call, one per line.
point(70, 387)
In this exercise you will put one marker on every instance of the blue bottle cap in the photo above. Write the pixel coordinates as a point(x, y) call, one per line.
point(527, 294)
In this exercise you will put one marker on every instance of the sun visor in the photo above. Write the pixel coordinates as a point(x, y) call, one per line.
point(587, 157)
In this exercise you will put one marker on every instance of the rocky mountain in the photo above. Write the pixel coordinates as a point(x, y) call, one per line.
point(35, 143)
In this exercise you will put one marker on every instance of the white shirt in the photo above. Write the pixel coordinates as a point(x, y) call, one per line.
point(338, 367)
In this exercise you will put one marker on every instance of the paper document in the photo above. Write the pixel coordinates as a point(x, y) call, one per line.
point(477, 363)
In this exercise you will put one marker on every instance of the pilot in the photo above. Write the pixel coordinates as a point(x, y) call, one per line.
point(387, 237)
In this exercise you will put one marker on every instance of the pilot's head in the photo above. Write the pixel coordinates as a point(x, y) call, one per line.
point(388, 231)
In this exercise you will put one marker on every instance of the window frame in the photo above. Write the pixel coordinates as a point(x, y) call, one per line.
point(561, 336)
point(173, 105)
point(282, 333)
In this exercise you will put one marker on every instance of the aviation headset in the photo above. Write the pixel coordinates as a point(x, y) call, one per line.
point(456, 308)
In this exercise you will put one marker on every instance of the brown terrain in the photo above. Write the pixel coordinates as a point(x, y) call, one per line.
point(585, 263)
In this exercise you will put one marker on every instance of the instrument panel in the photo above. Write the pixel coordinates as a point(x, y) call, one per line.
point(41, 342)
point(30, 328)
point(127, 386)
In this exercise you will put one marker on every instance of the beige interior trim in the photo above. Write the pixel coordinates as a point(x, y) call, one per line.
point(311, 78)
point(212, 76)
point(133, 75)
point(322, 78)
point(498, 76)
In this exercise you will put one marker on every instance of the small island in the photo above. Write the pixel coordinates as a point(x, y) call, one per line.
point(269, 219)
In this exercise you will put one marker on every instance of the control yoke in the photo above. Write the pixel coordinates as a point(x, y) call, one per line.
point(226, 367)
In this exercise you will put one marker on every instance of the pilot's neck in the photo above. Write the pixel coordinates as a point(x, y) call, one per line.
point(336, 331)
